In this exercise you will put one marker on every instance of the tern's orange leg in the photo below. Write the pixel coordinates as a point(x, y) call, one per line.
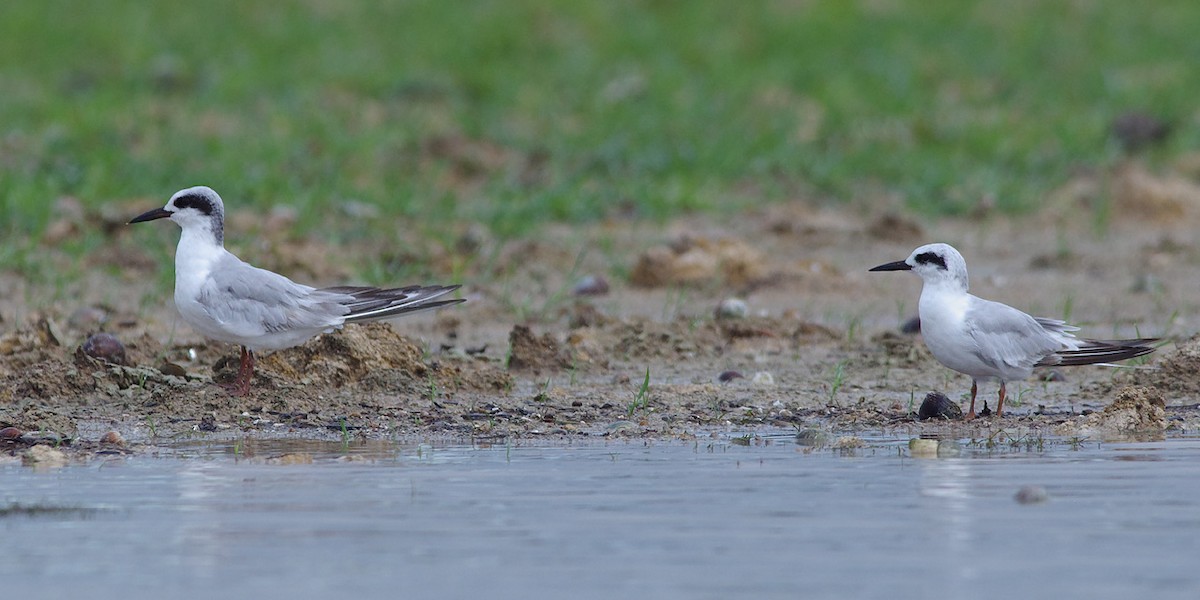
point(1000, 404)
point(241, 384)
point(974, 390)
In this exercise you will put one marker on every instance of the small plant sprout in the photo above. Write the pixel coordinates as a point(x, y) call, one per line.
point(836, 379)
point(852, 328)
point(1018, 399)
point(642, 398)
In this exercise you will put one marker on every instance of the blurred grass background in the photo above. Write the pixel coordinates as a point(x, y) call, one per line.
point(515, 112)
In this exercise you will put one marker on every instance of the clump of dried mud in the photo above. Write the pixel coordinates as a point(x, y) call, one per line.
point(692, 260)
point(1136, 410)
point(1176, 372)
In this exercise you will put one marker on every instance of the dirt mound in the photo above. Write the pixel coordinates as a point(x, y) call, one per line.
point(1176, 373)
point(528, 352)
point(684, 338)
point(1136, 409)
point(354, 354)
point(1140, 194)
point(696, 260)
point(29, 345)
point(374, 357)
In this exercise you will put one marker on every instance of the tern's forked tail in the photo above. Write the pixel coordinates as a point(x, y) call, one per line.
point(1100, 351)
point(371, 304)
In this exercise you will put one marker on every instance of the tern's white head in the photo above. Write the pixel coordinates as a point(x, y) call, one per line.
point(194, 209)
point(937, 264)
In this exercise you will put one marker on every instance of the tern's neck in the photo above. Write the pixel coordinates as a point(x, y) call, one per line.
point(942, 302)
point(198, 249)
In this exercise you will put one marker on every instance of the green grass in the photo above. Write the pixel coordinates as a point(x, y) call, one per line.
point(641, 399)
point(514, 112)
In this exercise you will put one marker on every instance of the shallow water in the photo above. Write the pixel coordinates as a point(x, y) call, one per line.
point(713, 519)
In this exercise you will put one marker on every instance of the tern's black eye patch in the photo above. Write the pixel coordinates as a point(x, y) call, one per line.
point(929, 258)
point(199, 203)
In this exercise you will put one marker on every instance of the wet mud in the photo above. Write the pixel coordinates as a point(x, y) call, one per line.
point(767, 320)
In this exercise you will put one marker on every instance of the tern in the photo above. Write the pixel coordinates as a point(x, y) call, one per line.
point(989, 340)
point(229, 300)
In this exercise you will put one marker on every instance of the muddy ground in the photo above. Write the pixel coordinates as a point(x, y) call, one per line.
point(560, 330)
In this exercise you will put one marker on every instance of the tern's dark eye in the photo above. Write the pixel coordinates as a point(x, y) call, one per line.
point(929, 258)
point(200, 203)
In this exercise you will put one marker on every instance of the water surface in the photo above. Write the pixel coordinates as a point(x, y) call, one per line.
point(713, 519)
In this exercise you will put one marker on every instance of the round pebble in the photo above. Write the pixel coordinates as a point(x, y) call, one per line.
point(112, 437)
point(591, 285)
point(727, 376)
point(170, 368)
point(105, 347)
point(937, 406)
point(10, 433)
point(732, 308)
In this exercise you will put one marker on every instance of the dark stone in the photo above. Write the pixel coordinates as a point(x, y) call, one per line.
point(937, 406)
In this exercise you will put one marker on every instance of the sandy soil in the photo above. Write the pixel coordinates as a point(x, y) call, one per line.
point(543, 347)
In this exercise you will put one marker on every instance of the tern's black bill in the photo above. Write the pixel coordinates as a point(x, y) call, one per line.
point(893, 266)
point(150, 215)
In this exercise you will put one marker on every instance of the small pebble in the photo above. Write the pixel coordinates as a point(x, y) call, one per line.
point(727, 376)
point(112, 437)
point(937, 406)
point(732, 308)
point(105, 347)
point(1031, 494)
point(170, 368)
point(591, 285)
point(10, 433)
point(763, 379)
point(40, 437)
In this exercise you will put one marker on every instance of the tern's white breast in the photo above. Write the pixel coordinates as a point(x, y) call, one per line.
point(943, 312)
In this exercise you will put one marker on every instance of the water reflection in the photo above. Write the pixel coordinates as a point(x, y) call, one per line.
point(645, 519)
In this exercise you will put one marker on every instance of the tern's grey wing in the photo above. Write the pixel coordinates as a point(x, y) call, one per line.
point(1057, 326)
point(249, 301)
point(1006, 337)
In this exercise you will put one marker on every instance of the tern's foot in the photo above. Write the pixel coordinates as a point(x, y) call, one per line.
point(969, 416)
